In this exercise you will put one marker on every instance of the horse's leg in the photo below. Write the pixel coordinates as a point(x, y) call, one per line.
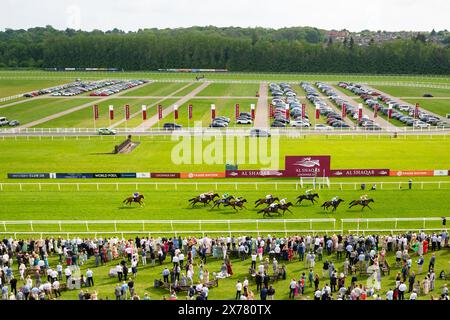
point(369, 207)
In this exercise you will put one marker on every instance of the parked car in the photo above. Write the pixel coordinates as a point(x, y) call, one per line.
point(427, 95)
point(244, 120)
point(106, 132)
point(3, 121)
point(171, 126)
point(13, 123)
point(322, 127)
point(259, 133)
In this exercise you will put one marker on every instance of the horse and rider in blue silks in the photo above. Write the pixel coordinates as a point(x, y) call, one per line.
point(138, 198)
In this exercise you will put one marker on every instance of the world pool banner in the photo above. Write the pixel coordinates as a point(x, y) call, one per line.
point(360, 173)
point(254, 174)
point(307, 166)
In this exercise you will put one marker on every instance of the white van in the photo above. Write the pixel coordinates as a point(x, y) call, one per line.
point(3, 121)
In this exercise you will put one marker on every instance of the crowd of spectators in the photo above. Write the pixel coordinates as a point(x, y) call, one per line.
point(36, 279)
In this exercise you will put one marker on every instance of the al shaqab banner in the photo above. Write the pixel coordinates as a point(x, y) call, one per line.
point(307, 166)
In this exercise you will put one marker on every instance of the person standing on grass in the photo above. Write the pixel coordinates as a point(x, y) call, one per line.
point(420, 263)
point(401, 291)
point(118, 291)
point(119, 272)
point(292, 287)
point(89, 277)
point(432, 262)
point(131, 287)
point(238, 290)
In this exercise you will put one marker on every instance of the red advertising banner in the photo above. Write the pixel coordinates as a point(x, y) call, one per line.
point(411, 173)
point(144, 112)
point(252, 110)
point(303, 111)
point(192, 175)
point(164, 175)
point(254, 173)
point(307, 166)
point(95, 112)
point(175, 112)
point(271, 110)
point(375, 111)
point(288, 113)
point(344, 110)
point(360, 173)
point(416, 111)
point(190, 111)
point(111, 112)
point(127, 112)
point(317, 112)
point(236, 111)
point(390, 111)
point(159, 112)
point(359, 113)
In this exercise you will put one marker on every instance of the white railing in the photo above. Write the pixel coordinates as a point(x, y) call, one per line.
point(168, 226)
point(364, 224)
point(275, 185)
point(11, 227)
point(11, 97)
point(293, 132)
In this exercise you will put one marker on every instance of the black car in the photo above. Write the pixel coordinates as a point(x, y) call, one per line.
point(171, 126)
point(428, 95)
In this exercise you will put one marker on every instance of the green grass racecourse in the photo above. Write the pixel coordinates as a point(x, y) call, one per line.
point(404, 91)
point(92, 154)
point(154, 155)
point(441, 107)
point(10, 87)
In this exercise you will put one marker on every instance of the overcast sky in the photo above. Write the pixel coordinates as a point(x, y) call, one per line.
point(131, 15)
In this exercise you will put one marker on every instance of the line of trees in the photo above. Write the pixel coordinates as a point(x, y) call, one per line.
point(236, 49)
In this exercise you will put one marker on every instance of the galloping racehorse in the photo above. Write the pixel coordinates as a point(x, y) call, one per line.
point(328, 204)
point(285, 207)
point(206, 200)
point(309, 197)
point(138, 199)
point(363, 203)
point(265, 201)
point(267, 211)
point(225, 201)
point(234, 204)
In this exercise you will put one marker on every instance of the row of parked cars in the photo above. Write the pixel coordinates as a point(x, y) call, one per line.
point(334, 120)
point(118, 87)
point(402, 112)
point(5, 122)
point(83, 87)
point(51, 90)
point(350, 110)
point(285, 98)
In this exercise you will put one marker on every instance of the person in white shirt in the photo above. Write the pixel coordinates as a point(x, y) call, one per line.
point(401, 291)
point(55, 286)
point(390, 295)
point(413, 295)
point(317, 294)
point(205, 292)
point(68, 273)
point(89, 277)
point(238, 290)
